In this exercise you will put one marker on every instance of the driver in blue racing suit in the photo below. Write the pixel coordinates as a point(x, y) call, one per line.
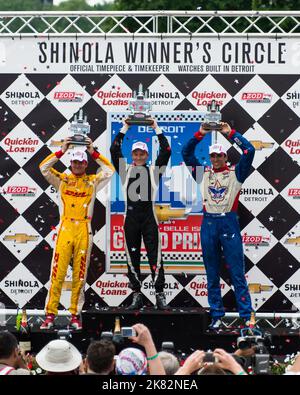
point(220, 230)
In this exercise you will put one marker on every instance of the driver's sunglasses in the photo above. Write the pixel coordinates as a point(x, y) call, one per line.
point(216, 155)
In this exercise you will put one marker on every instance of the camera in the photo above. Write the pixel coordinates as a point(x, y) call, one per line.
point(210, 358)
point(64, 334)
point(245, 342)
point(128, 331)
point(260, 361)
point(106, 335)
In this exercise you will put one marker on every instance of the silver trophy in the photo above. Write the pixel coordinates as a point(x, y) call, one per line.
point(80, 129)
point(212, 119)
point(139, 106)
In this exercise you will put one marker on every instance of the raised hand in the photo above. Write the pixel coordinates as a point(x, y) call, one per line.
point(226, 129)
point(66, 144)
point(89, 147)
point(125, 124)
point(204, 131)
point(154, 124)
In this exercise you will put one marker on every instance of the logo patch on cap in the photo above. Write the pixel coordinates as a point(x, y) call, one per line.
point(79, 155)
point(217, 149)
point(139, 145)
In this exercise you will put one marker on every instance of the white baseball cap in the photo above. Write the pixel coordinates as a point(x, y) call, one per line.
point(139, 145)
point(217, 149)
point(79, 155)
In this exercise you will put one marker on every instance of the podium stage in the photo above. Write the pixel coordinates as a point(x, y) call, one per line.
point(185, 327)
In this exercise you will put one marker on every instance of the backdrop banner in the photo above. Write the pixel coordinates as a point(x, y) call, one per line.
point(46, 80)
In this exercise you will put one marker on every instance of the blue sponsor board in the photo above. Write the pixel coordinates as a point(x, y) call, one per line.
point(177, 188)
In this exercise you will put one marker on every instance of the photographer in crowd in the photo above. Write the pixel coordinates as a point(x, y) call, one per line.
point(221, 363)
point(144, 338)
point(133, 361)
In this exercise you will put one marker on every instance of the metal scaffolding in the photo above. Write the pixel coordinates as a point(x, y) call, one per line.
point(152, 23)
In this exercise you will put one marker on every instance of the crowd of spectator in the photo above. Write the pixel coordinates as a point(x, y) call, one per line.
point(61, 357)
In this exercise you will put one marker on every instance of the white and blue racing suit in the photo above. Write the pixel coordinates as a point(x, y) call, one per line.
point(220, 230)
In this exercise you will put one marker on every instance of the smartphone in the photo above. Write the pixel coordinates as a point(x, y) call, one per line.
point(209, 357)
point(128, 331)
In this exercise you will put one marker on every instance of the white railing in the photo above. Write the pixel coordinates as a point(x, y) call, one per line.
point(151, 23)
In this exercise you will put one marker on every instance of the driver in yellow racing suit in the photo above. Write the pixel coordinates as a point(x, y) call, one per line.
point(76, 196)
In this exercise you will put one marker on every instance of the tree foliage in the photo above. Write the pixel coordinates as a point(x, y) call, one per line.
point(187, 5)
point(37, 5)
point(221, 5)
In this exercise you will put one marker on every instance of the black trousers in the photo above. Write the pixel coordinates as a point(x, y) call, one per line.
point(140, 224)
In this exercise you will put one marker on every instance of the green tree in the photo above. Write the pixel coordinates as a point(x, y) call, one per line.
point(183, 5)
point(21, 5)
point(207, 5)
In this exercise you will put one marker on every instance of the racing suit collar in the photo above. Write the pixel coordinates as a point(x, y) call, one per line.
point(220, 169)
point(144, 165)
point(75, 176)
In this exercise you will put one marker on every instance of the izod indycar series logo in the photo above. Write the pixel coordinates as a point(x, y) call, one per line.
point(256, 97)
point(20, 238)
point(252, 240)
point(294, 193)
point(21, 144)
point(66, 97)
point(19, 191)
point(205, 98)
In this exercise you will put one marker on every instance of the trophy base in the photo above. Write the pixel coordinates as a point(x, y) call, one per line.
point(139, 121)
point(212, 126)
point(78, 141)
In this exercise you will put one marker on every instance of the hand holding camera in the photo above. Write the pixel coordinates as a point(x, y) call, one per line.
point(143, 336)
point(192, 363)
point(128, 331)
point(226, 361)
point(210, 357)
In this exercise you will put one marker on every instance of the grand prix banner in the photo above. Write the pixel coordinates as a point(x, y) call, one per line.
point(45, 80)
point(178, 205)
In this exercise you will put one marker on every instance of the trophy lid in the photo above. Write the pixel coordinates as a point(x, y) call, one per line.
point(141, 90)
point(213, 106)
point(140, 94)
